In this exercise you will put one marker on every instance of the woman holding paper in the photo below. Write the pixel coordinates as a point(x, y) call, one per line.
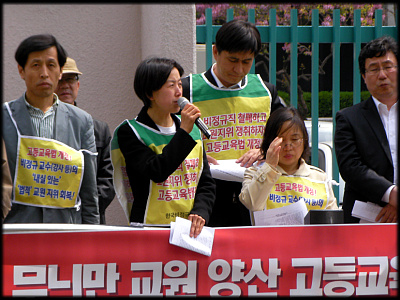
point(285, 177)
point(164, 157)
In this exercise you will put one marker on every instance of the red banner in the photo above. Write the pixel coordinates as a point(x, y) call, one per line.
point(312, 260)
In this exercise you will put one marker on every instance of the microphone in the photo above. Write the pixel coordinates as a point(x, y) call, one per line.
point(182, 101)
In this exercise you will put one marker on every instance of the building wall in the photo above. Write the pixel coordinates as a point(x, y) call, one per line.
point(107, 42)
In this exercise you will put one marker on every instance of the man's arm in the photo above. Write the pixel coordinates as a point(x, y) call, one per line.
point(353, 142)
point(275, 99)
point(105, 185)
point(7, 184)
point(88, 192)
point(388, 214)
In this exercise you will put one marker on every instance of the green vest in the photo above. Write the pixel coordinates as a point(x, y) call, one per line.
point(175, 196)
point(235, 117)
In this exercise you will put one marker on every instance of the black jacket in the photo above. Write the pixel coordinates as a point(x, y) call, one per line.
point(105, 185)
point(363, 155)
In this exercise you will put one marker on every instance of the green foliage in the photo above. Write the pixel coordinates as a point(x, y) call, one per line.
point(325, 101)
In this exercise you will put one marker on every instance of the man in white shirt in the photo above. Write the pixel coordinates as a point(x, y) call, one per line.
point(236, 105)
point(366, 135)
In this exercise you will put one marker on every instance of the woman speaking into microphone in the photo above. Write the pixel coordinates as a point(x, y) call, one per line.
point(165, 161)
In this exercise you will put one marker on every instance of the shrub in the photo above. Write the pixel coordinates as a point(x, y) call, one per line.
point(325, 101)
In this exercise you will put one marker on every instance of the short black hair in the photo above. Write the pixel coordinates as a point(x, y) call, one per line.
point(150, 76)
point(39, 42)
point(376, 48)
point(275, 123)
point(238, 36)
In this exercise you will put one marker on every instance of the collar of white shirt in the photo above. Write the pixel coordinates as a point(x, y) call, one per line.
point(219, 83)
point(379, 103)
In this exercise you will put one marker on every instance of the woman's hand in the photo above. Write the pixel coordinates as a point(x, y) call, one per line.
point(272, 156)
point(189, 115)
point(197, 225)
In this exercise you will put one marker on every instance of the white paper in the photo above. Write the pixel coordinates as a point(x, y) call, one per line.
point(292, 214)
point(179, 236)
point(366, 211)
point(228, 170)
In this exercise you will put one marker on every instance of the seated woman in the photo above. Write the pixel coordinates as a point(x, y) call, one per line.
point(165, 161)
point(285, 177)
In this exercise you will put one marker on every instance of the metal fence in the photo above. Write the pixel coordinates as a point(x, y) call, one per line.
point(315, 35)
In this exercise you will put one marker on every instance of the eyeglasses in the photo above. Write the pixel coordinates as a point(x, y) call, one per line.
point(69, 80)
point(386, 69)
point(293, 143)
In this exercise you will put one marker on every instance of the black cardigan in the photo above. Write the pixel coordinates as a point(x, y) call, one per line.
point(143, 165)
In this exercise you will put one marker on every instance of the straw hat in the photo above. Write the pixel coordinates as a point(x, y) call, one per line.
point(70, 67)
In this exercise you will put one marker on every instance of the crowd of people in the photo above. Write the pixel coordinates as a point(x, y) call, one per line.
point(60, 165)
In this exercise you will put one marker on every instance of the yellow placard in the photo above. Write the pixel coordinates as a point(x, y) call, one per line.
point(236, 118)
point(290, 189)
point(236, 132)
point(174, 197)
point(48, 173)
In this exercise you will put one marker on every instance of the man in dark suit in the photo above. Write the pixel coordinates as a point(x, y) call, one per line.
point(236, 106)
point(366, 135)
point(67, 91)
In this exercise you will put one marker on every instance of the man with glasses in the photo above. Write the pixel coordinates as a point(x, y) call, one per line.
point(67, 91)
point(68, 85)
point(366, 135)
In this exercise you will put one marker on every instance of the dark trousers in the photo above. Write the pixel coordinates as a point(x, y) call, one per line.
point(228, 210)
